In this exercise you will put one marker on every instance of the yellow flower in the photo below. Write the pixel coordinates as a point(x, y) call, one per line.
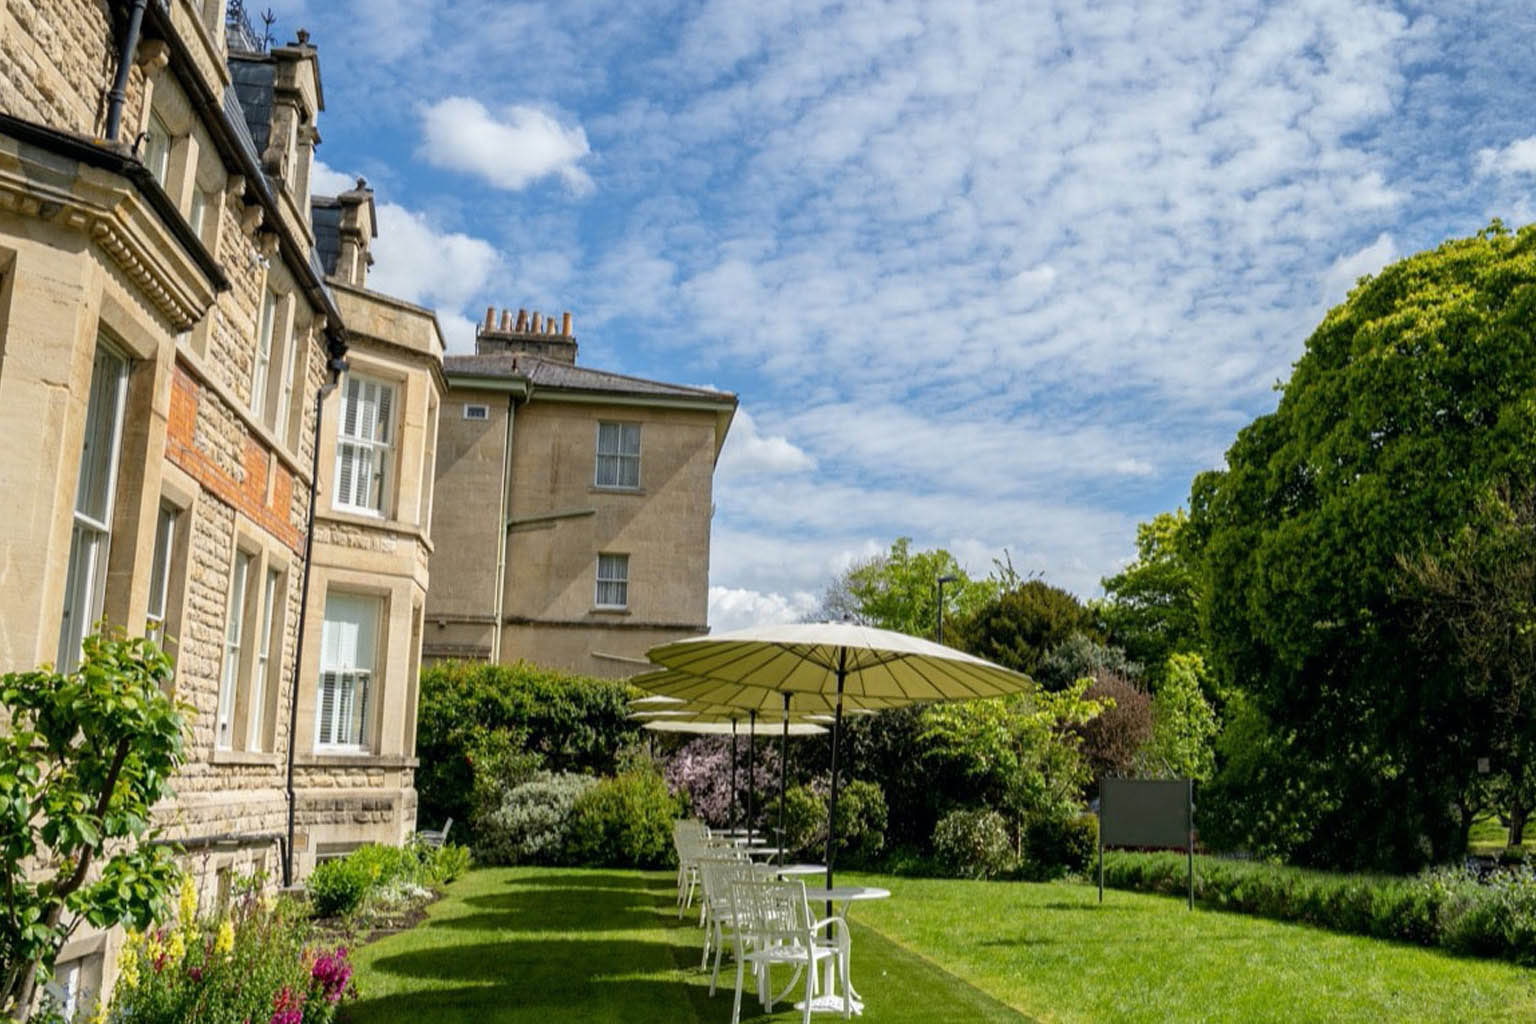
point(99, 1016)
point(176, 948)
point(224, 942)
point(188, 903)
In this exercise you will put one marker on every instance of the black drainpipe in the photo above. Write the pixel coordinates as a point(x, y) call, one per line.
point(335, 365)
point(119, 92)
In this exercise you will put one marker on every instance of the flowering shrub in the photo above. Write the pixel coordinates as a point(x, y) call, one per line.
point(702, 769)
point(252, 964)
point(383, 878)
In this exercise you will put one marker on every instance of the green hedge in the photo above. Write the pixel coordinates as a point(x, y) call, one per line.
point(1448, 908)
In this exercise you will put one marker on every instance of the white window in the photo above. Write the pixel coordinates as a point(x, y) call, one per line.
point(270, 595)
point(477, 412)
point(234, 634)
point(618, 455)
point(95, 491)
point(285, 386)
point(160, 574)
point(612, 581)
point(348, 650)
point(263, 353)
point(363, 447)
point(157, 149)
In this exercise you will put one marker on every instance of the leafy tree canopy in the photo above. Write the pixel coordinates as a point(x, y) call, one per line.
point(899, 591)
point(1152, 608)
point(1412, 399)
point(1022, 624)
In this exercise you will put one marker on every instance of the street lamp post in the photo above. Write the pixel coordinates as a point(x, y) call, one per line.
point(943, 580)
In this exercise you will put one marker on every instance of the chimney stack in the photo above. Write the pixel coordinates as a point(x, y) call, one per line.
point(541, 335)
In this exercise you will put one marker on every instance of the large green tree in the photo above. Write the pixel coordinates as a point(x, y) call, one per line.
point(1152, 606)
point(1019, 627)
point(899, 590)
point(1412, 399)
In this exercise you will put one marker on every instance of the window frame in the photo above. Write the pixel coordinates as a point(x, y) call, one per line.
point(273, 590)
point(158, 141)
point(230, 674)
point(166, 534)
point(85, 585)
point(261, 365)
point(381, 452)
point(611, 581)
point(326, 732)
point(619, 457)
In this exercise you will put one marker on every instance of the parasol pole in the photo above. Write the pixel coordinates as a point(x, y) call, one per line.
point(837, 735)
point(731, 814)
point(783, 775)
point(751, 765)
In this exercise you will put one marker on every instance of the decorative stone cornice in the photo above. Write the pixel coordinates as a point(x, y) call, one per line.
point(108, 210)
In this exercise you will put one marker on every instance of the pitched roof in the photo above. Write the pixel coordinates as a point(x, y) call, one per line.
point(558, 376)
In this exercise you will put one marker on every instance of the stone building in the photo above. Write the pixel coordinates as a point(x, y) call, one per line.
point(184, 338)
point(574, 505)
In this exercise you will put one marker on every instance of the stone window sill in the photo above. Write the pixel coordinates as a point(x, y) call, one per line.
point(636, 491)
point(248, 757)
point(359, 759)
point(610, 611)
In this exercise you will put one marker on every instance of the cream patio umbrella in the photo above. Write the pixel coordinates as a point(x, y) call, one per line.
point(839, 663)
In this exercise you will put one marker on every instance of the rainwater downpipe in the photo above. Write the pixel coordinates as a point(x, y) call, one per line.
point(501, 534)
point(335, 366)
point(118, 95)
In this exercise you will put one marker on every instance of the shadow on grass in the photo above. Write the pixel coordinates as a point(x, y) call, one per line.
point(594, 879)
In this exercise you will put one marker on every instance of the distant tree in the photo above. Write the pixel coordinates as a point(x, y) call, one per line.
point(1412, 399)
point(1080, 656)
point(1020, 626)
point(1152, 606)
point(899, 591)
point(1184, 726)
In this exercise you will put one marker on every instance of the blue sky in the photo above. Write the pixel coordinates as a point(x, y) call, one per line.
point(990, 275)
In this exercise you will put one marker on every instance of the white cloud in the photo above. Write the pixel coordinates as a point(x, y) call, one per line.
point(748, 452)
point(1519, 157)
point(509, 152)
point(1348, 269)
point(324, 181)
point(419, 262)
point(739, 608)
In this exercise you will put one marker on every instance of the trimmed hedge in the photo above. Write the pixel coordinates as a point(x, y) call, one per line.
point(1449, 908)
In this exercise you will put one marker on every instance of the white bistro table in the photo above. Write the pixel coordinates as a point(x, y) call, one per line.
point(841, 897)
point(789, 870)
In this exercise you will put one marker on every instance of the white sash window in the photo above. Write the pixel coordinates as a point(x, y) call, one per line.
point(364, 445)
point(263, 353)
point(612, 581)
point(95, 492)
point(160, 574)
point(348, 652)
point(234, 636)
point(618, 455)
point(271, 593)
point(285, 386)
point(157, 149)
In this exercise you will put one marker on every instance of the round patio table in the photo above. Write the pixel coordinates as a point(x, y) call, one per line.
point(791, 870)
point(842, 896)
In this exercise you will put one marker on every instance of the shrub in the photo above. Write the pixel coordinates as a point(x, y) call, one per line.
point(1448, 908)
point(573, 723)
point(336, 887)
point(860, 825)
point(1054, 847)
point(973, 844)
point(624, 821)
point(805, 820)
point(442, 864)
point(500, 761)
point(1113, 738)
point(534, 823)
point(702, 770)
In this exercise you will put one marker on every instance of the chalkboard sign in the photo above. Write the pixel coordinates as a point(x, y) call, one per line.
point(1147, 812)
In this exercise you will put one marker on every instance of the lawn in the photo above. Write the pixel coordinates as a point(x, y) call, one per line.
point(1489, 837)
point(565, 945)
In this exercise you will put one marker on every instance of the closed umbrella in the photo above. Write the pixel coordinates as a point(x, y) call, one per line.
point(838, 663)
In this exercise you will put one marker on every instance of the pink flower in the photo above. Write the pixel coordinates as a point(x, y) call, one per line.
point(287, 1008)
point(332, 971)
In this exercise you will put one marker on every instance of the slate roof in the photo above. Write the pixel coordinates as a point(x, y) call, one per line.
point(547, 373)
point(325, 219)
point(254, 78)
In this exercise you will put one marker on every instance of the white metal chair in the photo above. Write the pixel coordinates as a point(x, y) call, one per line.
point(719, 874)
point(774, 926)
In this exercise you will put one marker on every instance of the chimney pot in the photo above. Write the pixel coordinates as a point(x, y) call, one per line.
point(533, 325)
point(522, 321)
point(506, 320)
point(565, 324)
point(490, 317)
